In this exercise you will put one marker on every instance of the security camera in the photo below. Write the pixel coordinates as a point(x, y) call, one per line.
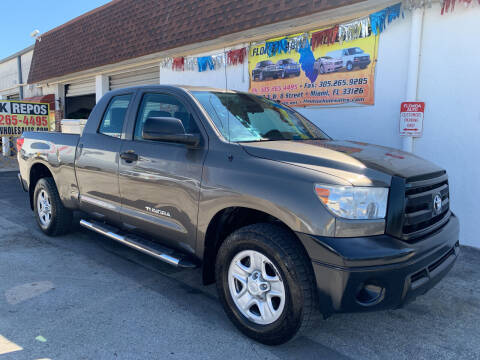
point(34, 33)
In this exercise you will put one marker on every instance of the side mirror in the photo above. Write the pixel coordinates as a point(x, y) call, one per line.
point(168, 129)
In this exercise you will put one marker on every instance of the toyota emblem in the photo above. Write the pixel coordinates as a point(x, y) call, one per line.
point(437, 204)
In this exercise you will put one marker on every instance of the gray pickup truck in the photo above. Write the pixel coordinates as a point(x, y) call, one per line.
point(288, 222)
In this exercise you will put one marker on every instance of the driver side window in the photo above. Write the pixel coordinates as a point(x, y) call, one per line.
point(163, 105)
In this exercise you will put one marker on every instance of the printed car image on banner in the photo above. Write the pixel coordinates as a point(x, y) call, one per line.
point(19, 116)
point(329, 75)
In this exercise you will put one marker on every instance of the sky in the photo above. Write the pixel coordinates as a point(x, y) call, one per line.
point(24, 16)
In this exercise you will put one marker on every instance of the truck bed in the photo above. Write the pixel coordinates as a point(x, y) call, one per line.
point(55, 149)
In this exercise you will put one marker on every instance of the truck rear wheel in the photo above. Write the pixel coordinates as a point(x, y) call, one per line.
point(52, 217)
point(265, 282)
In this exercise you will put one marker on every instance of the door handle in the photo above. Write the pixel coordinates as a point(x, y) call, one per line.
point(129, 156)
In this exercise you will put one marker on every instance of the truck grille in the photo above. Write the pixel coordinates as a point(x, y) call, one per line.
point(362, 58)
point(426, 205)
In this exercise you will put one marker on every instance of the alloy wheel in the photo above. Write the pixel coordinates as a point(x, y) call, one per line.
point(256, 287)
point(44, 208)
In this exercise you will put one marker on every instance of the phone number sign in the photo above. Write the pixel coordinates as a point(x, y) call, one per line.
point(411, 118)
point(18, 116)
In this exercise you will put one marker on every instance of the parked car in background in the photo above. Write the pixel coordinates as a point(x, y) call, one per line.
point(289, 67)
point(326, 64)
point(351, 57)
point(266, 69)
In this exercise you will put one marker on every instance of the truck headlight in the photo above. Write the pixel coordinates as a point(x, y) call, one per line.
point(352, 202)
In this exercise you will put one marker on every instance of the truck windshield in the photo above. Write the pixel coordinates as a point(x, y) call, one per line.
point(242, 117)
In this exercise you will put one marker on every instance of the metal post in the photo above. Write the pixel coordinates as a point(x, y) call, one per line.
point(413, 66)
point(5, 146)
point(20, 76)
point(5, 141)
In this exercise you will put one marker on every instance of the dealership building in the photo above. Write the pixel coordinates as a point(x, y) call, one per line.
point(427, 52)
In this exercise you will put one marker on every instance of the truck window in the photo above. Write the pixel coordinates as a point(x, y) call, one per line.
point(112, 122)
point(242, 117)
point(163, 105)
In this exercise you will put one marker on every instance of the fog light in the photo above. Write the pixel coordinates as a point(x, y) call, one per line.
point(370, 294)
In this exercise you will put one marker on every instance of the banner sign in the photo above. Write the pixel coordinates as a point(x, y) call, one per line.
point(19, 116)
point(411, 118)
point(299, 74)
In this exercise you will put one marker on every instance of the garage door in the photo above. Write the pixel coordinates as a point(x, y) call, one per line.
point(81, 87)
point(147, 76)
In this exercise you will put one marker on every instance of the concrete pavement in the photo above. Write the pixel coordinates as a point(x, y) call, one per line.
point(8, 163)
point(82, 296)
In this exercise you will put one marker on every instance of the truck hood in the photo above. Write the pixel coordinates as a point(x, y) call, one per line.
point(358, 163)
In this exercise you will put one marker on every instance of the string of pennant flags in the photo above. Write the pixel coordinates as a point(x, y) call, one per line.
point(204, 63)
point(372, 24)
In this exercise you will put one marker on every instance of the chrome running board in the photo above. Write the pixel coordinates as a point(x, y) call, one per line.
point(145, 246)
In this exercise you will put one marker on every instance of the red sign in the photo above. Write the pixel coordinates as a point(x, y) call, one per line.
point(411, 118)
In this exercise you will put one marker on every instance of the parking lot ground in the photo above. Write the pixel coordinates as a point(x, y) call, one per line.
point(82, 296)
point(8, 163)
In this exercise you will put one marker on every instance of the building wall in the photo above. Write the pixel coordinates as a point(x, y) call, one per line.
point(29, 90)
point(449, 84)
point(9, 77)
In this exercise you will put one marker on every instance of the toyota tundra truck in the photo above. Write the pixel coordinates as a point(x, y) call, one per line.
point(287, 222)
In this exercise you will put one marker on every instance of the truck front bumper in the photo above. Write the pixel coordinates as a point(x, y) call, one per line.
point(379, 272)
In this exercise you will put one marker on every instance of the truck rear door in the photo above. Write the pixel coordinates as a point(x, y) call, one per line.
point(160, 181)
point(97, 158)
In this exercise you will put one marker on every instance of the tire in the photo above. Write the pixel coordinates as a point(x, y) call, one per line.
point(322, 70)
point(58, 219)
point(349, 66)
point(260, 76)
point(363, 66)
point(283, 75)
point(285, 261)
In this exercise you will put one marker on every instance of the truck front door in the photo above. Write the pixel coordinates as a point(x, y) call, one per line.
point(160, 181)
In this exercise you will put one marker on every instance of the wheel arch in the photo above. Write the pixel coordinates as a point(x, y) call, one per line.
point(225, 222)
point(38, 171)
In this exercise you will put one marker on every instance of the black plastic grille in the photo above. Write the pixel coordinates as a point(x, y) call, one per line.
point(420, 215)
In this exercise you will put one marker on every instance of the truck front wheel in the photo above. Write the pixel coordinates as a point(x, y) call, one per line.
point(265, 282)
point(52, 217)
